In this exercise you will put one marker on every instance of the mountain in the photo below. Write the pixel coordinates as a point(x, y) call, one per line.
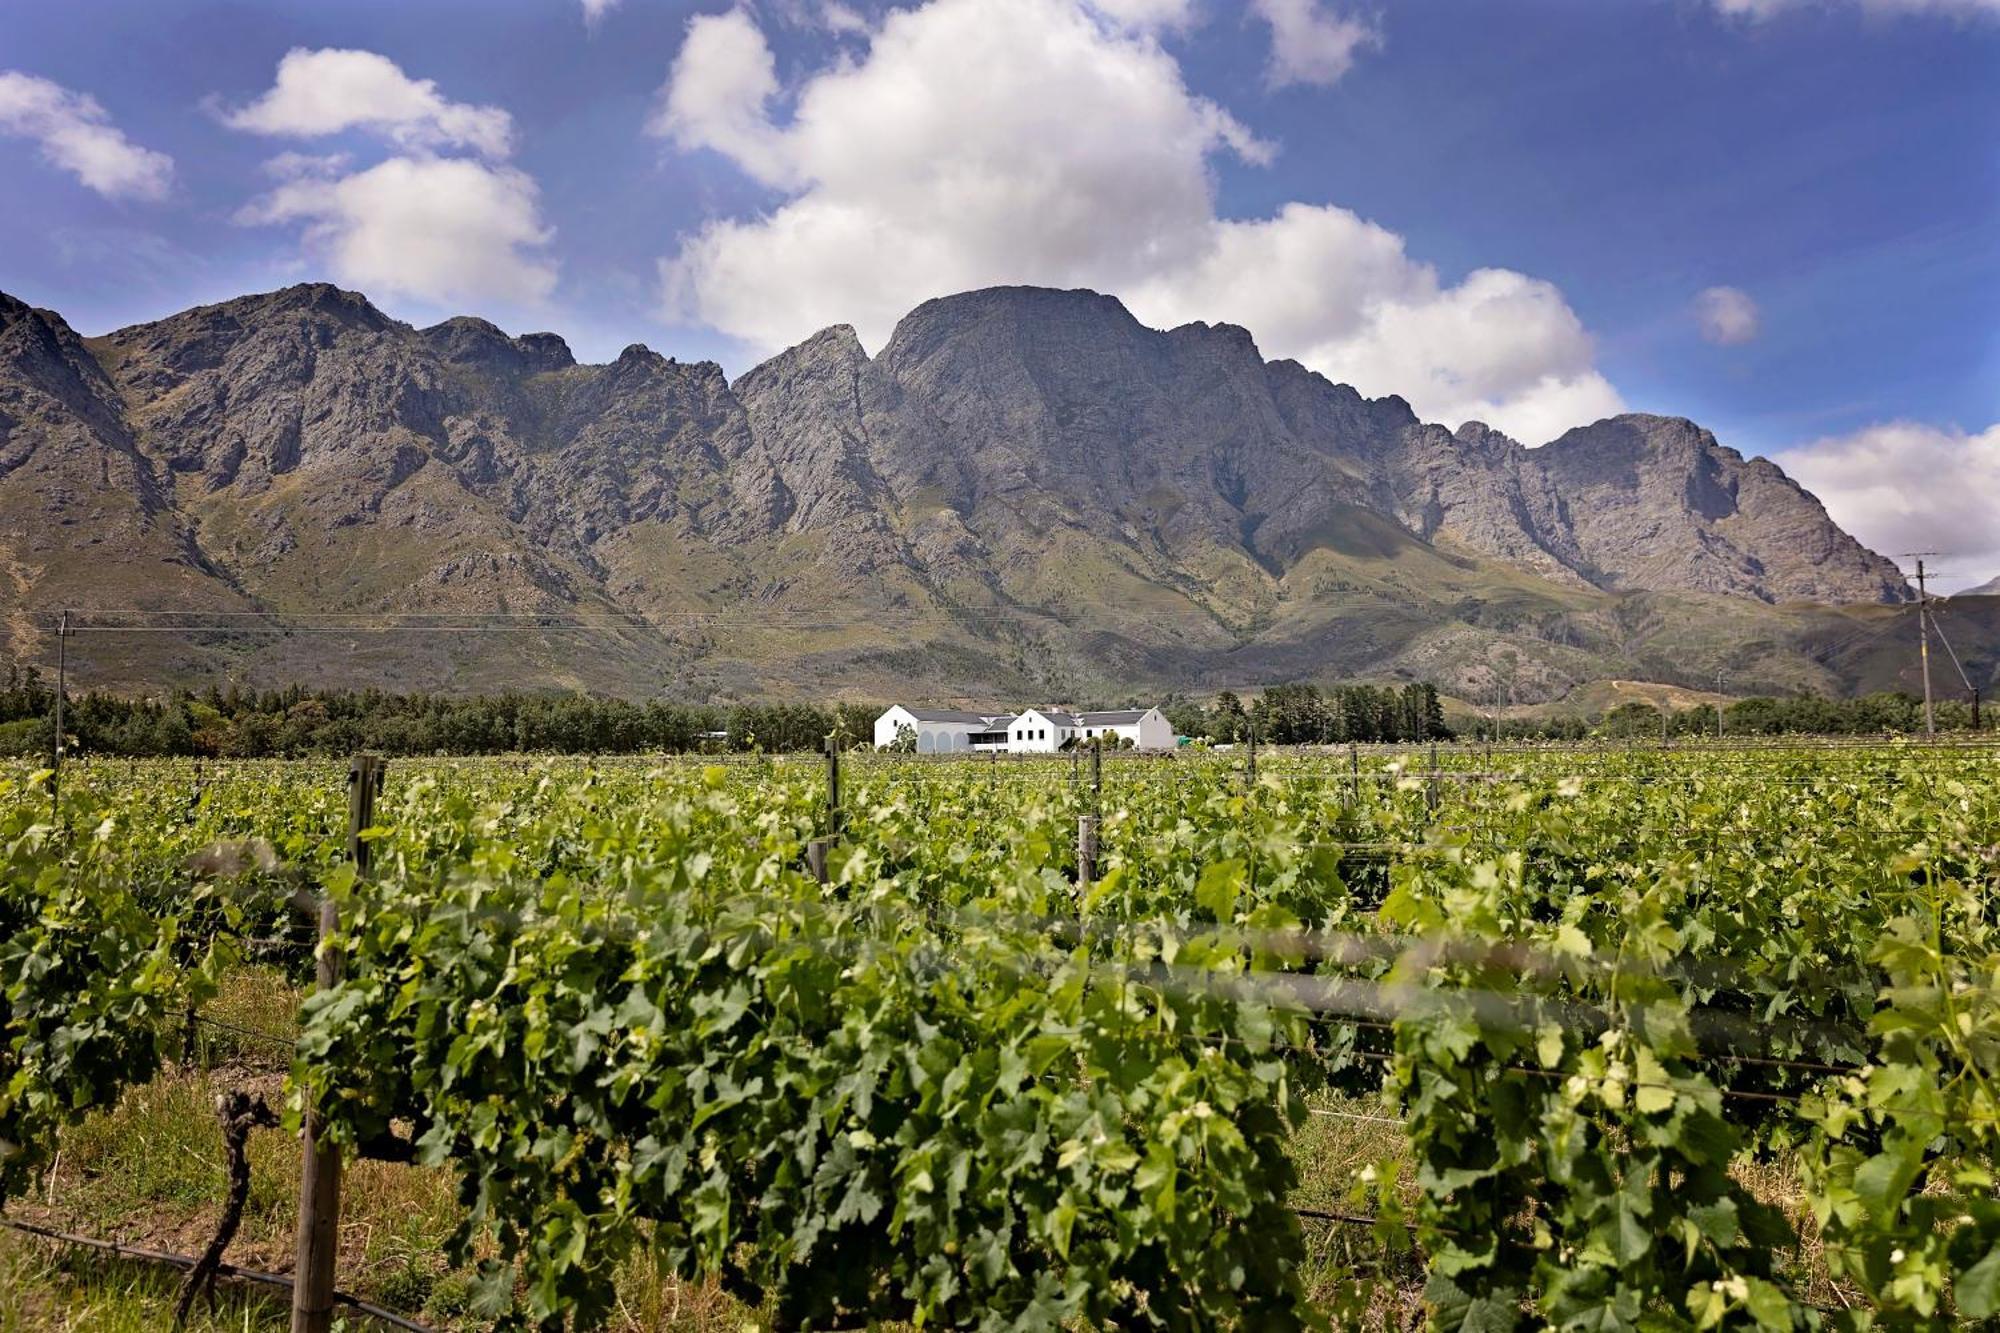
point(1990, 588)
point(1025, 493)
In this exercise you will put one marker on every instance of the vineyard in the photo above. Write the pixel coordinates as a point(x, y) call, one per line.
point(1600, 1038)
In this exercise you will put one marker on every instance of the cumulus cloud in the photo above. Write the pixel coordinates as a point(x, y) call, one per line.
point(330, 91)
point(593, 10)
point(426, 222)
point(978, 142)
point(1757, 11)
point(75, 134)
point(1310, 45)
point(439, 229)
point(1907, 486)
point(1726, 316)
point(718, 94)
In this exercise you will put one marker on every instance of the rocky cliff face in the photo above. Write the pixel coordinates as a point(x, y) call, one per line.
point(1023, 485)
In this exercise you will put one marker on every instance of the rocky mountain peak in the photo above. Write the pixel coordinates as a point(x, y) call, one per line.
point(544, 352)
point(314, 299)
point(1146, 504)
point(475, 343)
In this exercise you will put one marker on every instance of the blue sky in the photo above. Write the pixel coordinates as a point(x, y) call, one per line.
point(1510, 210)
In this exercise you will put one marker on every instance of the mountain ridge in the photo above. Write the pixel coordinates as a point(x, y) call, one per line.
point(1023, 487)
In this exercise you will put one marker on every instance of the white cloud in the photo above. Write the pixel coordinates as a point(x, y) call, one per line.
point(838, 18)
point(438, 229)
point(593, 10)
point(1309, 45)
point(1726, 316)
point(979, 142)
point(717, 96)
point(330, 91)
point(76, 134)
point(1906, 486)
point(421, 224)
point(1757, 11)
point(1149, 15)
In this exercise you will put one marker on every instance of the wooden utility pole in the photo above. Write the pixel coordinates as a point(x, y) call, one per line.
point(319, 1181)
point(1924, 646)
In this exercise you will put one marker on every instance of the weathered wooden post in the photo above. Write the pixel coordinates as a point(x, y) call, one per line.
point(1086, 825)
point(62, 697)
point(817, 849)
point(1086, 852)
point(319, 1181)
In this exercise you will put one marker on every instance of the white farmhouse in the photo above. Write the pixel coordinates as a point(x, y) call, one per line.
point(943, 730)
point(1145, 728)
point(1036, 731)
point(1039, 732)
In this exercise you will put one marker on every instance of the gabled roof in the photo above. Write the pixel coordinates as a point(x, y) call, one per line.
point(1117, 717)
point(947, 715)
point(1059, 719)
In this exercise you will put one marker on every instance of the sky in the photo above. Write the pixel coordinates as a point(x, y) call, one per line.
point(1780, 218)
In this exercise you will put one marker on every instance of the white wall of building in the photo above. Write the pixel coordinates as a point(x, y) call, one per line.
point(932, 737)
point(1035, 732)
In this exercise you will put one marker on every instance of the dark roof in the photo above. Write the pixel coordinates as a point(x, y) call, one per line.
point(946, 715)
point(1060, 719)
point(1117, 717)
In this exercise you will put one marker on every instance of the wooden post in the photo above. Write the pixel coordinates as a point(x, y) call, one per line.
point(1431, 790)
point(832, 787)
point(816, 857)
point(1250, 772)
point(1086, 851)
point(1354, 770)
point(319, 1182)
point(62, 695)
point(1097, 780)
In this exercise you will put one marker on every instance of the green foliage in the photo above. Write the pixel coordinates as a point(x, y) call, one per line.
point(92, 983)
point(961, 1084)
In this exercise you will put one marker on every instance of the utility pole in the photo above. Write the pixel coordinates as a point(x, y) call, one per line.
point(62, 696)
point(1924, 643)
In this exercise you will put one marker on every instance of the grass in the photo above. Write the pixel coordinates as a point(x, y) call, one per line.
point(46, 1287)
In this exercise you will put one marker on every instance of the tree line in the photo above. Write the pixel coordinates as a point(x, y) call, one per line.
point(295, 722)
point(1305, 714)
point(1803, 714)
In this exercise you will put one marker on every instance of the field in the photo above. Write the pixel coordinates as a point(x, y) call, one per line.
point(1590, 1038)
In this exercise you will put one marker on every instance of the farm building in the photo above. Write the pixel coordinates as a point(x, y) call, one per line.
point(1036, 731)
point(943, 730)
